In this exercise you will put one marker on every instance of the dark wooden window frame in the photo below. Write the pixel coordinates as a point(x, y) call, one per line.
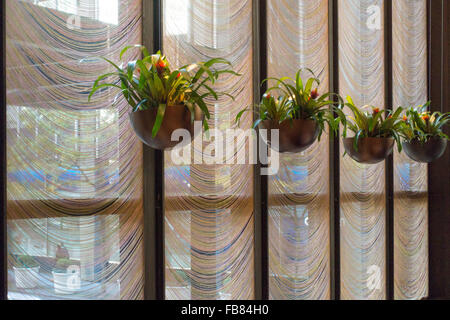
point(439, 175)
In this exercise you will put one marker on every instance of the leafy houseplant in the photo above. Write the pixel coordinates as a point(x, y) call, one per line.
point(375, 131)
point(26, 272)
point(62, 265)
point(298, 111)
point(27, 262)
point(163, 100)
point(422, 131)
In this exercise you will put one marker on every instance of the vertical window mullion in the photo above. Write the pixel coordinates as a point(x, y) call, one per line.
point(390, 161)
point(260, 181)
point(154, 242)
point(3, 256)
point(438, 173)
point(333, 56)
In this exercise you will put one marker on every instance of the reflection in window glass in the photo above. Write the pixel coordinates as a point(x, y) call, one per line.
point(299, 193)
point(177, 10)
point(209, 208)
point(106, 11)
point(74, 168)
point(410, 178)
point(68, 6)
point(363, 196)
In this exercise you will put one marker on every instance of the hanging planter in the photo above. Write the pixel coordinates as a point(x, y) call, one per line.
point(426, 152)
point(298, 112)
point(369, 150)
point(425, 140)
point(162, 100)
point(295, 135)
point(376, 132)
point(175, 117)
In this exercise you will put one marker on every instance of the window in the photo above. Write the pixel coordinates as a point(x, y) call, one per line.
point(299, 193)
point(209, 208)
point(363, 197)
point(410, 178)
point(74, 168)
point(106, 11)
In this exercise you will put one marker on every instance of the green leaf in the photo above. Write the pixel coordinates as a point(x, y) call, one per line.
point(256, 124)
point(136, 108)
point(211, 91)
point(159, 119)
point(104, 76)
point(239, 116)
point(130, 69)
point(397, 112)
point(226, 94)
point(349, 99)
point(281, 81)
point(373, 121)
point(299, 81)
point(202, 69)
point(356, 139)
point(309, 84)
point(360, 118)
point(104, 85)
point(227, 71)
point(113, 64)
point(397, 141)
point(173, 76)
point(202, 105)
point(143, 69)
point(143, 49)
point(159, 85)
point(206, 128)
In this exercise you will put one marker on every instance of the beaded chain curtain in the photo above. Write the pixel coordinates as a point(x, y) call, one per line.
point(75, 209)
point(410, 178)
point(299, 227)
point(209, 207)
point(361, 75)
point(74, 168)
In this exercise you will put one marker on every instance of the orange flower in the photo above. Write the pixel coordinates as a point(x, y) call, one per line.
point(160, 65)
point(390, 117)
point(426, 117)
point(376, 110)
point(314, 94)
point(405, 118)
point(268, 96)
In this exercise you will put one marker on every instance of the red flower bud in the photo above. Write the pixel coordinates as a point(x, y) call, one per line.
point(314, 94)
point(376, 110)
point(160, 66)
point(178, 75)
point(426, 117)
point(405, 118)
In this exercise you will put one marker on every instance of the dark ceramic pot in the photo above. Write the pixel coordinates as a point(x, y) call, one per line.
point(295, 135)
point(426, 152)
point(370, 150)
point(175, 117)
